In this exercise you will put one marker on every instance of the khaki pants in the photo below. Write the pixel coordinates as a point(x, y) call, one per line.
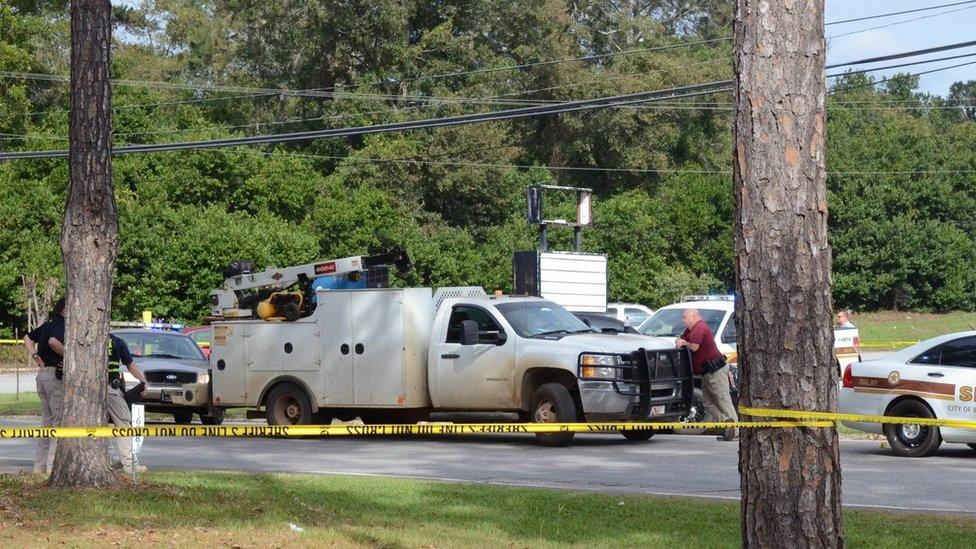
point(119, 414)
point(51, 393)
point(716, 397)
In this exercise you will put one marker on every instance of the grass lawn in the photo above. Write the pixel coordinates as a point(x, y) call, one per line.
point(895, 330)
point(30, 405)
point(247, 510)
point(27, 405)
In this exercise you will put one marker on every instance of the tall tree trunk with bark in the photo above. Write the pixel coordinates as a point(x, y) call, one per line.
point(790, 478)
point(89, 242)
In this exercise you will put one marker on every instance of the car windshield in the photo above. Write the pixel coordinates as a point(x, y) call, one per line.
point(541, 319)
point(161, 345)
point(667, 322)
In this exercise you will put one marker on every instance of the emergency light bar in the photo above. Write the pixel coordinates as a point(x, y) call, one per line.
point(708, 298)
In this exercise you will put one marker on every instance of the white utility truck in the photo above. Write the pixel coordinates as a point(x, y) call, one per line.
point(387, 354)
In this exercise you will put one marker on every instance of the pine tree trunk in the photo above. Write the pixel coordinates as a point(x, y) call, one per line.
point(790, 478)
point(89, 240)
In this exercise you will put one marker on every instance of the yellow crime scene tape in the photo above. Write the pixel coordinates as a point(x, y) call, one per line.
point(781, 419)
point(383, 430)
point(859, 418)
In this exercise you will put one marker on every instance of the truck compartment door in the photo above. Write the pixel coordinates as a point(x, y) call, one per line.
point(334, 313)
point(228, 365)
point(378, 348)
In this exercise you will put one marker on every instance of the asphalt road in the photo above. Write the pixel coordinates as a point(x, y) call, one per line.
point(696, 466)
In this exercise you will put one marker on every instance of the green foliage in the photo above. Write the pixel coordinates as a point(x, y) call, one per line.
point(454, 196)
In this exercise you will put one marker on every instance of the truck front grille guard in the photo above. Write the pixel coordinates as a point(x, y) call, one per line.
point(670, 369)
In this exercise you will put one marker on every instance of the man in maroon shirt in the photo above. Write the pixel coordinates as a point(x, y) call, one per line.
point(709, 363)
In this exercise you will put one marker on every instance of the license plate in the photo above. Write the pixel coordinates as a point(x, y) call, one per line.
point(657, 410)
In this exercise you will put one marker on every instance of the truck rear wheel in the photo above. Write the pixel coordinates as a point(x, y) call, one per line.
point(552, 403)
point(183, 418)
point(216, 419)
point(287, 404)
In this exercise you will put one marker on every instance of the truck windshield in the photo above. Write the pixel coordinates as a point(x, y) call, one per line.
point(667, 322)
point(541, 318)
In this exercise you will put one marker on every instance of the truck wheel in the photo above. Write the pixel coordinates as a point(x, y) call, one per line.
point(287, 404)
point(912, 440)
point(216, 419)
point(553, 404)
point(183, 418)
point(638, 436)
point(696, 414)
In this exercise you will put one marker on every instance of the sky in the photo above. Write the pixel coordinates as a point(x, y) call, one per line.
point(936, 29)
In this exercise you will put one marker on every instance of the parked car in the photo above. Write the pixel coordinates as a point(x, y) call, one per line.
point(177, 371)
point(632, 313)
point(605, 324)
point(932, 379)
point(201, 335)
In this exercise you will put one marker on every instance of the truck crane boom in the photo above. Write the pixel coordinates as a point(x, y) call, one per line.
point(266, 293)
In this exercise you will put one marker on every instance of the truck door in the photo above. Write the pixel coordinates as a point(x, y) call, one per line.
point(474, 377)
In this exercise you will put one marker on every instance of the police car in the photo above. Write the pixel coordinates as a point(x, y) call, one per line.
point(932, 379)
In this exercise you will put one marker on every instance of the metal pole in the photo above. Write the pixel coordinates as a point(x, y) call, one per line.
point(578, 238)
point(17, 369)
point(543, 238)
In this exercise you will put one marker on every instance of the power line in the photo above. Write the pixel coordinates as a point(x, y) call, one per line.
point(248, 92)
point(568, 106)
point(564, 107)
point(893, 56)
point(328, 92)
point(892, 24)
point(890, 14)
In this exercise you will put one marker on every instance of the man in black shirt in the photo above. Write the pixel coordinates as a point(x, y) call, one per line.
point(48, 381)
point(116, 407)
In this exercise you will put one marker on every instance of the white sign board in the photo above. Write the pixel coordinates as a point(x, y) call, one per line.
point(575, 281)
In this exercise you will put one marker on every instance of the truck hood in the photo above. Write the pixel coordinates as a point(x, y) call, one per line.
point(149, 364)
point(609, 343)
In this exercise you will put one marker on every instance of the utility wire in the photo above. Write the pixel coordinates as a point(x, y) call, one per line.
point(890, 14)
point(894, 23)
point(569, 106)
point(329, 92)
point(894, 56)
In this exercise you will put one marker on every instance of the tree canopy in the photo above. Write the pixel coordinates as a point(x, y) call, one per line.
point(902, 164)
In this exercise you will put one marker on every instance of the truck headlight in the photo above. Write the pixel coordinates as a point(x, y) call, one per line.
point(601, 367)
point(203, 378)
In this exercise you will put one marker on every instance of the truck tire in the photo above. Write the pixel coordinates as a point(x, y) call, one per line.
point(638, 436)
point(552, 403)
point(183, 418)
point(287, 404)
point(912, 440)
point(216, 419)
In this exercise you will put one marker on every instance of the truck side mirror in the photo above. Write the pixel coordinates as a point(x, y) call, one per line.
point(501, 338)
point(469, 332)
